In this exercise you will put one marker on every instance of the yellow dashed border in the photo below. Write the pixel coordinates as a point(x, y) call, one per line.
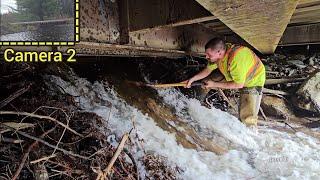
point(56, 43)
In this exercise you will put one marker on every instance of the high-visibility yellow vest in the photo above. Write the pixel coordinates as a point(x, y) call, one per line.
point(242, 66)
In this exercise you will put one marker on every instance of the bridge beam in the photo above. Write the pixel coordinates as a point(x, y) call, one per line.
point(155, 14)
point(301, 34)
point(260, 23)
point(187, 38)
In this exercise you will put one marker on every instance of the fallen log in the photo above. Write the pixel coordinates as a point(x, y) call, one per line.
point(277, 92)
point(284, 80)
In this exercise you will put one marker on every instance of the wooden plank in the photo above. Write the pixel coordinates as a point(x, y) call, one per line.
point(307, 12)
point(306, 17)
point(260, 23)
point(302, 34)
point(304, 21)
point(306, 9)
point(305, 3)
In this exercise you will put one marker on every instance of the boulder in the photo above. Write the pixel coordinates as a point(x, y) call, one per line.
point(275, 107)
point(308, 94)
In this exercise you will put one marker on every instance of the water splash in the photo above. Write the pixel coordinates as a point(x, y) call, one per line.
point(262, 154)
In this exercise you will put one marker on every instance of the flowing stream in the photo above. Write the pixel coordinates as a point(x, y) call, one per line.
point(168, 124)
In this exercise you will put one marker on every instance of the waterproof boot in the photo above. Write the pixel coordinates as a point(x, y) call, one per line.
point(250, 100)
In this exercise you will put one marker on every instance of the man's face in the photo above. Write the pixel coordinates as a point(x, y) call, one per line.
point(213, 55)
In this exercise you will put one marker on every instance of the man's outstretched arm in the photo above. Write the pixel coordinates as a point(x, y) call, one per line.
point(202, 74)
point(222, 85)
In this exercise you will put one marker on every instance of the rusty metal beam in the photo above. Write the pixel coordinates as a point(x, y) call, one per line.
point(99, 21)
point(199, 16)
point(303, 34)
point(260, 23)
point(102, 49)
point(124, 21)
point(196, 16)
point(196, 36)
point(189, 38)
point(155, 14)
point(166, 38)
point(180, 23)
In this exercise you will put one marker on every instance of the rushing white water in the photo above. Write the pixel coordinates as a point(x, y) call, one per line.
point(264, 153)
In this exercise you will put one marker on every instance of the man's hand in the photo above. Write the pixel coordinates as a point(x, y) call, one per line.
point(188, 83)
point(209, 84)
point(202, 74)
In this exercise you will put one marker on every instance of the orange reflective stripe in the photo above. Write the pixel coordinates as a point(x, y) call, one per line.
point(259, 69)
point(253, 69)
point(220, 64)
point(233, 52)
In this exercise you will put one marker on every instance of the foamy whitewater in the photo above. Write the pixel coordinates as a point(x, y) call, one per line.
point(262, 154)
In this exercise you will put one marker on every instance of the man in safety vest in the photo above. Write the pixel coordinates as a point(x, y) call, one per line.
point(241, 68)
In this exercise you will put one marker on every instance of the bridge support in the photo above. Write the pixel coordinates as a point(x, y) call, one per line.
point(260, 23)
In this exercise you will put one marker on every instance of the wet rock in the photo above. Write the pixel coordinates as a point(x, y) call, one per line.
point(298, 57)
point(292, 72)
point(275, 107)
point(308, 95)
point(314, 60)
point(311, 60)
point(297, 63)
point(281, 56)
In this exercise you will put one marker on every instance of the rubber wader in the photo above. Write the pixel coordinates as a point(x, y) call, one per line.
point(250, 99)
